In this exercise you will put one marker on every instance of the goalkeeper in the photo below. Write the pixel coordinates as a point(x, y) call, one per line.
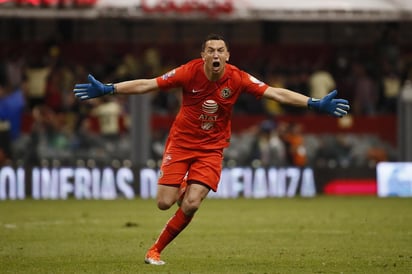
point(201, 130)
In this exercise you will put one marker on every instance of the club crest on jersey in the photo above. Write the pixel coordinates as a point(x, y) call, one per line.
point(169, 74)
point(226, 93)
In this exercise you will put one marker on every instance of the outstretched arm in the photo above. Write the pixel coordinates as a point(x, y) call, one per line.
point(286, 96)
point(138, 86)
point(95, 88)
point(327, 104)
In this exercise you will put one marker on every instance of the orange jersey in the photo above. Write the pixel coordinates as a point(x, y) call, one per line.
point(204, 119)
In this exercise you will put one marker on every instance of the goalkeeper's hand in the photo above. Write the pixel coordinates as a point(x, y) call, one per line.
point(92, 89)
point(328, 104)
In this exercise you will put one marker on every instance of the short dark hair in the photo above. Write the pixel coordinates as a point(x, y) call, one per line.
point(214, 36)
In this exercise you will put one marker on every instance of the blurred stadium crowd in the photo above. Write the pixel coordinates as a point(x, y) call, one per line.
point(42, 123)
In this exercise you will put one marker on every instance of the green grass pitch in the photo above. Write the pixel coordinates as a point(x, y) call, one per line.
point(318, 235)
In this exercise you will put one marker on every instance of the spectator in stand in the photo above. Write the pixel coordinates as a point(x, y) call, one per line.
point(321, 81)
point(276, 79)
point(365, 91)
point(268, 147)
point(12, 105)
point(50, 138)
point(53, 96)
point(295, 144)
point(88, 143)
point(391, 86)
point(297, 79)
point(108, 112)
point(14, 69)
point(37, 74)
point(5, 140)
point(12, 108)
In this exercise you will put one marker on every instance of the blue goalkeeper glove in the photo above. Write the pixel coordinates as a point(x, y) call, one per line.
point(330, 105)
point(92, 89)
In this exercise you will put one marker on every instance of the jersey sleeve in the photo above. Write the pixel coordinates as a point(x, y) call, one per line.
point(172, 79)
point(252, 85)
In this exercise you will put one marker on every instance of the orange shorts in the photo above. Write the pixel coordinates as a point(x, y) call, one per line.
point(204, 166)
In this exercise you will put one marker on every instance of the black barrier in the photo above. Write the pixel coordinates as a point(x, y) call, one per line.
point(17, 183)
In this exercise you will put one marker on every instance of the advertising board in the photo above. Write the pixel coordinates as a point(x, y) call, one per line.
point(394, 179)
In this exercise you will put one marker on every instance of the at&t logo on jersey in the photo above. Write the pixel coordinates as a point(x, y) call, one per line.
point(209, 107)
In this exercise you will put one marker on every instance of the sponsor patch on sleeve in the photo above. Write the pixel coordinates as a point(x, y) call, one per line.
point(169, 74)
point(255, 81)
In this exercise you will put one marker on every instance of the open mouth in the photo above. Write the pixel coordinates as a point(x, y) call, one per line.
point(216, 64)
